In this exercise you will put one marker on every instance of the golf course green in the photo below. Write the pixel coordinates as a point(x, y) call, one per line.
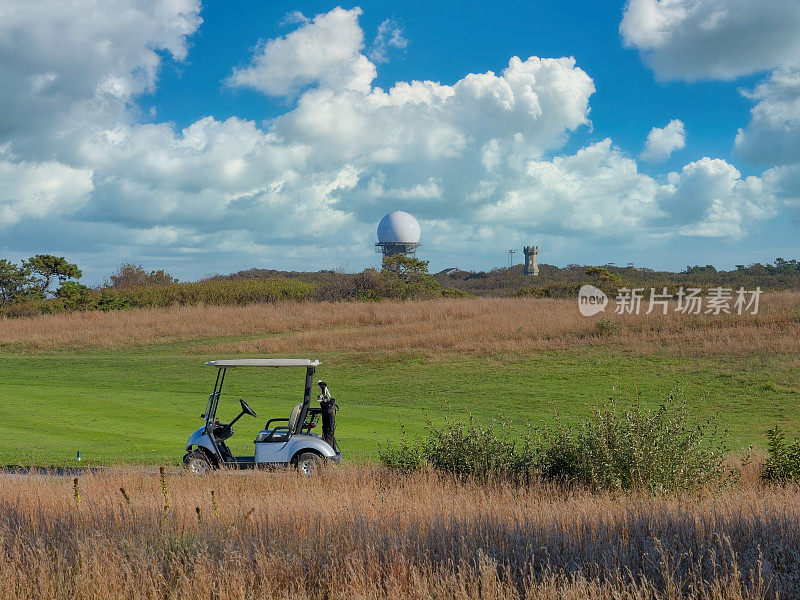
point(139, 404)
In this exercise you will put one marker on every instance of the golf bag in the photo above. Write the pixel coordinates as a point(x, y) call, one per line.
point(329, 409)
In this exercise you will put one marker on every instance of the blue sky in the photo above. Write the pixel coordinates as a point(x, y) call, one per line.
point(441, 47)
point(206, 139)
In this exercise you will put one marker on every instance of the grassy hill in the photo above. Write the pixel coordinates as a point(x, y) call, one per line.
point(129, 386)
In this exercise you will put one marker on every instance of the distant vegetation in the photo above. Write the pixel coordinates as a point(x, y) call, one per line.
point(555, 282)
point(26, 290)
point(32, 278)
point(47, 284)
point(133, 287)
point(552, 281)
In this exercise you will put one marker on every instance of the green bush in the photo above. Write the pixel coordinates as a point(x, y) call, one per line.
point(74, 296)
point(368, 285)
point(213, 292)
point(456, 293)
point(607, 326)
point(659, 450)
point(403, 279)
point(108, 300)
point(409, 278)
point(472, 449)
point(130, 275)
point(531, 291)
point(465, 449)
point(30, 308)
point(402, 456)
point(783, 463)
point(555, 289)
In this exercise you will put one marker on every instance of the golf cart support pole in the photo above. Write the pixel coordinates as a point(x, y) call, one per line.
point(298, 428)
point(211, 413)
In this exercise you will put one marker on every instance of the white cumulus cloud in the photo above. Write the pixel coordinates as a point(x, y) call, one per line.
point(325, 51)
point(536, 100)
point(663, 141)
point(66, 66)
point(773, 134)
point(713, 39)
point(709, 198)
point(597, 191)
point(389, 37)
point(40, 190)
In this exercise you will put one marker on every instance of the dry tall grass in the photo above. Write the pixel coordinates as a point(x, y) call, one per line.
point(476, 326)
point(361, 532)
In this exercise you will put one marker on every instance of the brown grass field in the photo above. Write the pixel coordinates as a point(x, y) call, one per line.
point(363, 532)
point(360, 531)
point(459, 326)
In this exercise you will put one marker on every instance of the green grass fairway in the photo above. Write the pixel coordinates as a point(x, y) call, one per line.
point(139, 404)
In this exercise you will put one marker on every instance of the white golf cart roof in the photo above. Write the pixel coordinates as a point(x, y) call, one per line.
point(263, 362)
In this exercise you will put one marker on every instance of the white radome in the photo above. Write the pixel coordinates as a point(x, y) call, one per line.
point(398, 227)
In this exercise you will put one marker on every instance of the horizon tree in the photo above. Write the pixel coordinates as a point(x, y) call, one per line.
point(43, 268)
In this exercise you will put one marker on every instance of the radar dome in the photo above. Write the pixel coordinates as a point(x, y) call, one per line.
point(398, 227)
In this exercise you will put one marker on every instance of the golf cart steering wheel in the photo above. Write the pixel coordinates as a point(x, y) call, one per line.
point(246, 408)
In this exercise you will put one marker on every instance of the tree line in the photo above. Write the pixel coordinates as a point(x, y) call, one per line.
point(46, 283)
point(36, 279)
point(49, 284)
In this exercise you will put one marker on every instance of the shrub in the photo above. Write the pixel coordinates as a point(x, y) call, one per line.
point(465, 449)
point(367, 285)
point(402, 457)
point(604, 278)
point(75, 296)
point(214, 292)
point(472, 449)
point(556, 289)
point(129, 275)
point(607, 326)
point(661, 450)
point(108, 300)
point(783, 462)
point(456, 293)
point(388, 284)
point(30, 308)
point(409, 278)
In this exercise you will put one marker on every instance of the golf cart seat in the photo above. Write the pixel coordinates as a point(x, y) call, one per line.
point(294, 416)
point(280, 433)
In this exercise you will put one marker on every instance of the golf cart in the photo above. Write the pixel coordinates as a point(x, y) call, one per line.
point(281, 442)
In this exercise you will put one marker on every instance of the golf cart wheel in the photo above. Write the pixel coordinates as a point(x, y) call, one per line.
point(197, 462)
point(308, 463)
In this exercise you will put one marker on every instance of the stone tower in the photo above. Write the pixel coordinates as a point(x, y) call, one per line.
point(531, 260)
